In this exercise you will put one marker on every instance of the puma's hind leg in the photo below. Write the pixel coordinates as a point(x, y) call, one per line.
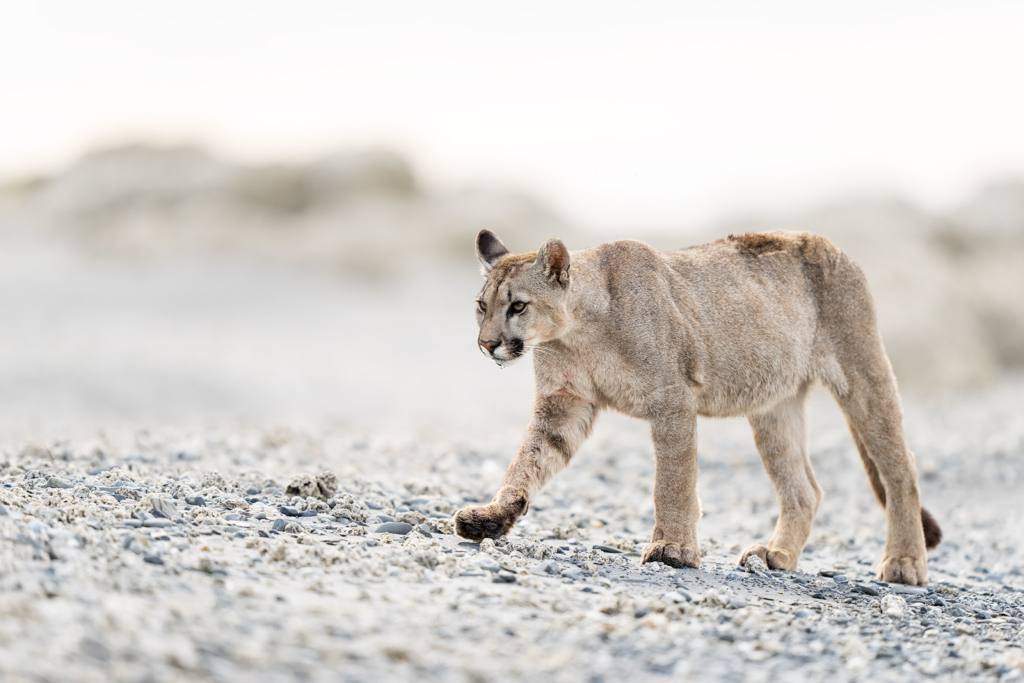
point(781, 440)
point(876, 422)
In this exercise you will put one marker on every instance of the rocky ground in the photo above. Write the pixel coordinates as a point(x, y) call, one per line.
point(326, 554)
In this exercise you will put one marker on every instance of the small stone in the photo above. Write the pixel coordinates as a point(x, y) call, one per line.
point(399, 528)
point(964, 627)
point(308, 513)
point(608, 549)
point(213, 479)
point(260, 515)
point(324, 486)
point(904, 589)
point(755, 565)
point(866, 590)
point(982, 614)
point(894, 606)
point(195, 500)
point(280, 524)
point(58, 483)
point(290, 511)
point(487, 564)
point(164, 507)
point(3, 510)
point(802, 613)
point(327, 484)
point(829, 573)
point(133, 523)
point(549, 567)
point(734, 576)
point(504, 576)
point(234, 504)
point(301, 485)
point(158, 523)
point(424, 530)
point(153, 559)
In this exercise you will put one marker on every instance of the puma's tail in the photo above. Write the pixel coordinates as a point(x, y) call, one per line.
point(932, 532)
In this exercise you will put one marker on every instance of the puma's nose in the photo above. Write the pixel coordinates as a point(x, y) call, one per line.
point(490, 345)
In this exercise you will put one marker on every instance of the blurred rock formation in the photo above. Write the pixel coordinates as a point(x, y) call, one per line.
point(361, 210)
point(948, 288)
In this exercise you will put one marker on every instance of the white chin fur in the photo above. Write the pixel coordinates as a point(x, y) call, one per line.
point(505, 362)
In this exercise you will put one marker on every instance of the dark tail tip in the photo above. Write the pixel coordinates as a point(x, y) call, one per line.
point(932, 532)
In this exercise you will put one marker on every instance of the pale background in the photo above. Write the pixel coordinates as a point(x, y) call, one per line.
point(293, 239)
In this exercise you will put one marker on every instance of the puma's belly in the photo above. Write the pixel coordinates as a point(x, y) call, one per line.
point(741, 376)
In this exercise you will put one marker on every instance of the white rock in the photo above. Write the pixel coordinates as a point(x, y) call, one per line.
point(894, 606)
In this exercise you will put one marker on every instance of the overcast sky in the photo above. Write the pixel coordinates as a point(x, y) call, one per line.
point(621, 114)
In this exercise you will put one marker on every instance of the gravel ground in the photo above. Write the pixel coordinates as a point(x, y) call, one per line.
point(325, 553)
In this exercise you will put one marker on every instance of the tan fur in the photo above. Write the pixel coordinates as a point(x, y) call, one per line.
point(740, 326)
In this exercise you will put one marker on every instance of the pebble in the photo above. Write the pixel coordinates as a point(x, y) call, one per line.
point(158, 523)
point(894, 606)
point(165, 507)
point(399, 528)
point(755, 565)
point(280, 524)
point(153, 559)
point(866, 590)
point(196, 500)
point(58, 483)
point(549, 567)
point(290, 511)
point(3, 510)
point(504, 576)
point(608, 549)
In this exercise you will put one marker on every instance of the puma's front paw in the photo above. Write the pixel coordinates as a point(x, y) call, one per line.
point(672, 554)
point(909, 570)
point(774, 559)
point(490, 521)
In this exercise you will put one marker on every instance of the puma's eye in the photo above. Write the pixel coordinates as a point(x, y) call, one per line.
point(517, 307)
point(481, 306)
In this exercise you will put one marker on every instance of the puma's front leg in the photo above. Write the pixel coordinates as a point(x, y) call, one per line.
point(676, 506)
point(560, 423)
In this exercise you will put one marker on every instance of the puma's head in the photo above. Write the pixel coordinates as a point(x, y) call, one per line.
point(523, 299)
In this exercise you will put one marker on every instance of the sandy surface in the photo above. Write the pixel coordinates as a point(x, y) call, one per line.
point(213, 591)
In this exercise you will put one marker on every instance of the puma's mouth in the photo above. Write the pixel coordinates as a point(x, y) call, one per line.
point(509, 352)
point(505, 362)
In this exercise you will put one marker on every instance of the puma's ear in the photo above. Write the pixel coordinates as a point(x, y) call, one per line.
point(489, 249)
point(553, 259)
